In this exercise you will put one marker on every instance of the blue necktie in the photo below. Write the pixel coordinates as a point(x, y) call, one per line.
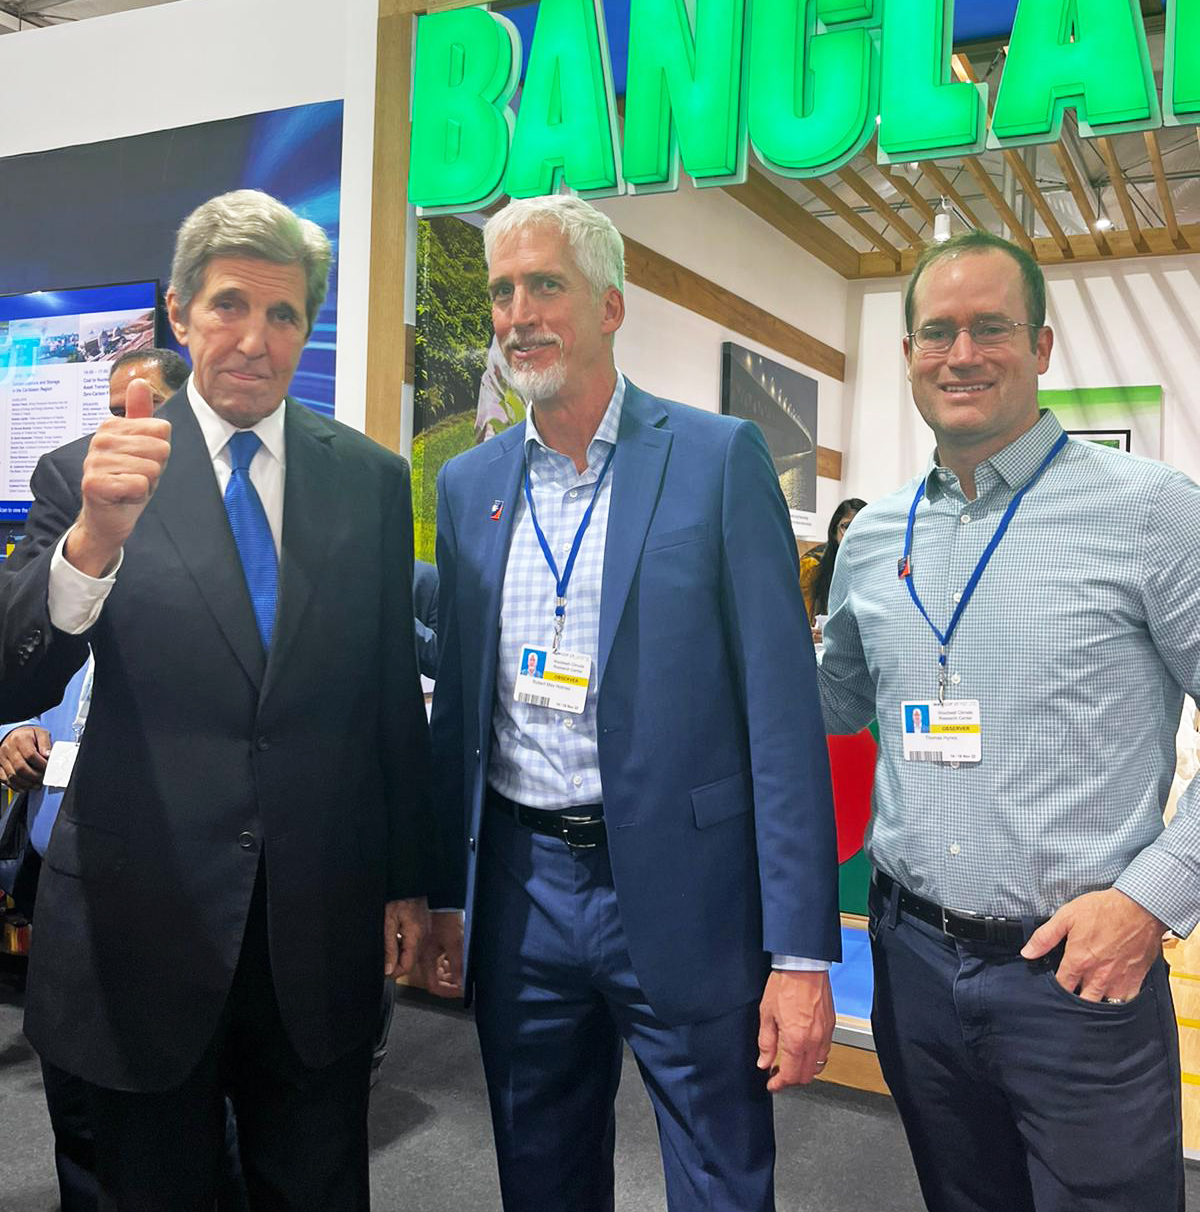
point(251, 533)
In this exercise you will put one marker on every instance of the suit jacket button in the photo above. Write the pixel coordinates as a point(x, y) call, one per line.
point(262, 744)
point(471, 845)
point(477, 755)
point(246, 840)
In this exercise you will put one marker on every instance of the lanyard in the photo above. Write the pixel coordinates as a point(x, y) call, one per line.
point(905, 569)
point(85, 701)
point(562, 581)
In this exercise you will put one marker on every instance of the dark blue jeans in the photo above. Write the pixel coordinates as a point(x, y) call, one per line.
point(1016, 1095)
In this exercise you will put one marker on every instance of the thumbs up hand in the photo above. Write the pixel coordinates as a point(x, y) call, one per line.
point(123, 464)
point(139, 401)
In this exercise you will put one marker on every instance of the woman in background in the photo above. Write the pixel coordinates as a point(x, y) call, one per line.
point(816, 566)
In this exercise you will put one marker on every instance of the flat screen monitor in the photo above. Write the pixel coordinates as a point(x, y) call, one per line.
point(56, 350)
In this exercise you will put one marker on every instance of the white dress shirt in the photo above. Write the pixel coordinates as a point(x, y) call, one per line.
point(75, 599)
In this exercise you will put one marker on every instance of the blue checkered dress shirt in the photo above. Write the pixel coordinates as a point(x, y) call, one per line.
point(1079, 642)
point(549, 759)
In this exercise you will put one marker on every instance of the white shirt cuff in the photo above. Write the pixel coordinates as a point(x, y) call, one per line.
point(74, 598)
point(797, 963)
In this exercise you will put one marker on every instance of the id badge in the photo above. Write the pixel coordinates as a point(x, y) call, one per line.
point(557, 680)
point(942, 732)
point(59, 764)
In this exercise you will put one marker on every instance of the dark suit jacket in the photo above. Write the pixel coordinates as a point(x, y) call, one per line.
point(202, 756)
point(712, 750)
point(425, 596)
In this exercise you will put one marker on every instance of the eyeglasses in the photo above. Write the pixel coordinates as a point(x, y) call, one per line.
point(940, 338)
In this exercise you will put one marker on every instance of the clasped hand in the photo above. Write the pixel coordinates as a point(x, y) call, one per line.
point(424, 945)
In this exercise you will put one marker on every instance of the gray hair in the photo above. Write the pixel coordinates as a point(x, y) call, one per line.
point(250, 223)
point(595, 243)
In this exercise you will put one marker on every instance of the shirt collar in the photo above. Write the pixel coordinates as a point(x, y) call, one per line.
point(1014, 464)
point(217, 431)
point(606, 431)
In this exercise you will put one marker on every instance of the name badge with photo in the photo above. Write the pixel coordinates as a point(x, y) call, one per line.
point(60, 764)
point(942, 732)
point(557, 680)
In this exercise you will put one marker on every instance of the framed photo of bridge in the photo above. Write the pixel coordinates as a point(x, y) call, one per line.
point(783, 403)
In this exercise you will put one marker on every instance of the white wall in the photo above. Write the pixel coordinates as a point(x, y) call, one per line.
point(172, 65)
point(676, 353)
point(1133, 323)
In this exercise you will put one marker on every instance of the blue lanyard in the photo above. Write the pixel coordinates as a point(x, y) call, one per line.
point(905, 569)
point(561, 581)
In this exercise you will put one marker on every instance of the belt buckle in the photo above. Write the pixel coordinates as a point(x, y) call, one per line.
point(968, 927)
point(567, 836)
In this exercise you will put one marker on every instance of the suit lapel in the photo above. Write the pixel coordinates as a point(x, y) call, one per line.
point(188, 504)
point(501, 481)
point(637, 473)
point(310, 490)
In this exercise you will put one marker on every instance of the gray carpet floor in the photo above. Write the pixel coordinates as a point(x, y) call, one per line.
point(839, 1150)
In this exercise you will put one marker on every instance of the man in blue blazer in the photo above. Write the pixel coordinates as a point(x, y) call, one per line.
point(645, 826)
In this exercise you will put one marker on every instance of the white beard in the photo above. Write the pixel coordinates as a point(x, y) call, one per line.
point(535, 385)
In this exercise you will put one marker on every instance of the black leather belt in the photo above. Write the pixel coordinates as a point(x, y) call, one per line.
point(581, 828)
point(967, 927)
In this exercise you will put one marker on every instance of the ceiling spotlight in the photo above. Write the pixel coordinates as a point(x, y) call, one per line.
point(941, 221)
point(1104, 223)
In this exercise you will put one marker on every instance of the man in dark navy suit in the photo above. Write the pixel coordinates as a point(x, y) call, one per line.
point(248, 803)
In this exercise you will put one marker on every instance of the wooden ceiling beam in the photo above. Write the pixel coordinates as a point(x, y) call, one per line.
point(1086, 211)
point(849, 215)
point(964, 71)
point(677, 284)
point(942, 184)
point(997, 199)
point(765, 199)
point(875, 265)
point(1164, 192)
point(1030, 187)
point(901, 184)
point(1117, 176)
point(878, 204)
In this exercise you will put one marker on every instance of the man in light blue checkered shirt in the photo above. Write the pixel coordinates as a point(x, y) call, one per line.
point(628, 733)
point(1022, 1014)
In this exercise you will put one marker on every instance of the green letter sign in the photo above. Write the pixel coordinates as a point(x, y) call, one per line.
point(1089, 54)
point(923, 114)
point(565, 124)
point(683, 94)
point(1181, 67)
point(803, 82)
point(813, 84)
point(466, 69)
